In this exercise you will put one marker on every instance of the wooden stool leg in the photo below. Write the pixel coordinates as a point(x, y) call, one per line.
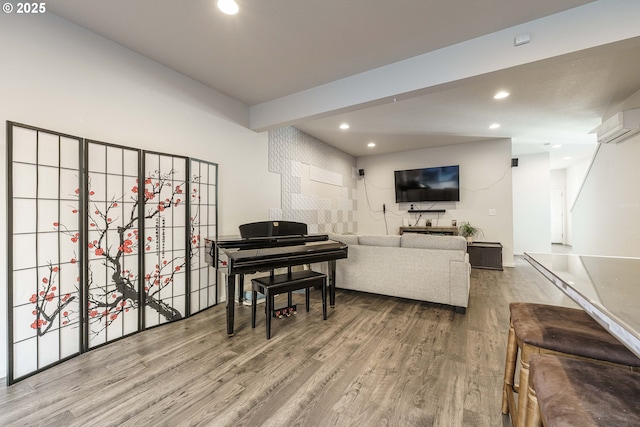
point(509, 370)
point(522, 387)
point(269, 302)
point(533, 418)
point(254, 306)
point(306, 298)
point(324, 298)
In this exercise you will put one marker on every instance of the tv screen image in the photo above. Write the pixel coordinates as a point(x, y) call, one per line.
point(436, 184)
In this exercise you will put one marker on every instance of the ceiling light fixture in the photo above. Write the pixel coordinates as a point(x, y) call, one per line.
point(556, 146)
point(344, 126)
point(371, 144)
point(501, 95)
point(494, 126)
point(230, 7)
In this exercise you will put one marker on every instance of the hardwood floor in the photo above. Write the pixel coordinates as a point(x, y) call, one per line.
point(376, 361)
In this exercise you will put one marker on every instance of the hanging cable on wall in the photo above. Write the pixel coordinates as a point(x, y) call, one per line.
point(371, 209)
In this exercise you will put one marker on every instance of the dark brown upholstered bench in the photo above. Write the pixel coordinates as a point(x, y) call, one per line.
point(540, 328)
point(273, 285)
point(572, 392)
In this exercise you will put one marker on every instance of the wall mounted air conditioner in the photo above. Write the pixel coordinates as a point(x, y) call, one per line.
point(621, 126)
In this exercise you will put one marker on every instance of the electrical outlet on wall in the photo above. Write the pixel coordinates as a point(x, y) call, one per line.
point(492, 212)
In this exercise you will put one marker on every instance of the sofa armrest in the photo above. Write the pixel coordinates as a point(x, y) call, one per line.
point(460, 282)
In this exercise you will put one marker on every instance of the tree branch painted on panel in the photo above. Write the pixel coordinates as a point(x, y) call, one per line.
point(47, 306)
point(107, 301)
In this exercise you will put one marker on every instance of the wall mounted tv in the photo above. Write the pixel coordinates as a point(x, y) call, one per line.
point(439, 184)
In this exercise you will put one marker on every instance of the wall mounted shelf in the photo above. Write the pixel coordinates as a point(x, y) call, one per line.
point(427, 210)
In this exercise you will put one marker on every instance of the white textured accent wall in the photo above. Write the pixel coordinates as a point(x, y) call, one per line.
point(318, 183)
point(325, 176)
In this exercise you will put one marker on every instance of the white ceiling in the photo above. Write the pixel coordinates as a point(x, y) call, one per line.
point(276, 48)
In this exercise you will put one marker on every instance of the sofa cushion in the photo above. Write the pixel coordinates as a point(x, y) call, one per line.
point(377, 264)
point(379, 240)
point(348, 239)
point(428, 241)
point(421, 274)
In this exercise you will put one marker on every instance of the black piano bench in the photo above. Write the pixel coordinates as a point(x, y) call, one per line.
point(273, 285)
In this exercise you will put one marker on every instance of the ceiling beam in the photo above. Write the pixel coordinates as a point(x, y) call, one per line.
point(584, 27)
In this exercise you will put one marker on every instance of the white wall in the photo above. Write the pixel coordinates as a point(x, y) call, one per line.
point(531, 204)
point(61, 77)
point(606, 216)
point(559, 182)
point(575, 177)
point(485, 178)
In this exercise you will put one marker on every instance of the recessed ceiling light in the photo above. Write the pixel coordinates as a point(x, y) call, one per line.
point(566, 158)
point(230, 7)
point(501, 95)
point(556, 146)
point(494, 126)
point(371, 144)
point(344, 126)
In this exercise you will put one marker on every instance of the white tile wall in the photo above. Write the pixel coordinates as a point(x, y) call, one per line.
point(289, 150)
point(325, 176)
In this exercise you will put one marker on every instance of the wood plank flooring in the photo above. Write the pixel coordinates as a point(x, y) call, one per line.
point(376, 361)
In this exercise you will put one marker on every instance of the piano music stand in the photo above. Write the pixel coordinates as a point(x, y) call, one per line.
point(272, 228)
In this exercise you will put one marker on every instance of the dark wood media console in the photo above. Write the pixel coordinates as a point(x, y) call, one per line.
point(448, 231)
point(485, 255)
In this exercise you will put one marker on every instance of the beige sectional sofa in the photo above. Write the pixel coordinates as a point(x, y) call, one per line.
point(416, 266)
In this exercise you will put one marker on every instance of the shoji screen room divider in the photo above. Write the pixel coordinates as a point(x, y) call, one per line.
point(104, 241)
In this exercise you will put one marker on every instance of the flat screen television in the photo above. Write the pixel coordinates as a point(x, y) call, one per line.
point(438, 184)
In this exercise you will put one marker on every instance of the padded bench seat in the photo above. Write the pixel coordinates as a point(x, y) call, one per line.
point(565, 391)
point(541, 328)
point(273, 285)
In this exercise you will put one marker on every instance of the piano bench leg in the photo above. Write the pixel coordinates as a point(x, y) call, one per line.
point(324, 299)
point(306, 298)
point(254, 307)
point(269, 301)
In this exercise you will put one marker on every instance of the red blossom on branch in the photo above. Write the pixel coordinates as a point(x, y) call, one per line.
point(103, 310)
point(48, 308)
